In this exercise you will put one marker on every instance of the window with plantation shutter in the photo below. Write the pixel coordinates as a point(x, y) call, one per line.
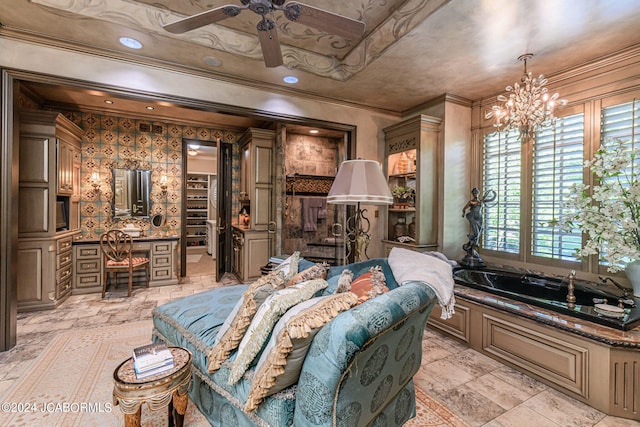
point(558, 157)
point(622, 122)
point(501, 173)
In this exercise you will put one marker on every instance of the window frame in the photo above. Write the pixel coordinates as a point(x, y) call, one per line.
point(524, 254)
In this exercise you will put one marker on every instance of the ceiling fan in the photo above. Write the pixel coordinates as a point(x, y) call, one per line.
point(297, 12)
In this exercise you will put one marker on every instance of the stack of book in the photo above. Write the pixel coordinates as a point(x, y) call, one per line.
point(152, 359)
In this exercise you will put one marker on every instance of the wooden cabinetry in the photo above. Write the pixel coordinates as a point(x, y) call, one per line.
point(251, 251)
point(597, 370)
point(68, 155)
point(411, 154)
point(198, 212)
point(256, 177)
point(253, 244)
point(162, 254)
point(49, 172)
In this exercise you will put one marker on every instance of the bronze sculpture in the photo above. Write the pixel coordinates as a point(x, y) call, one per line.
point(473, 211)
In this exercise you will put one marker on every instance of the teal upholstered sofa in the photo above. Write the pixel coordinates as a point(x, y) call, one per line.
point(358, 370)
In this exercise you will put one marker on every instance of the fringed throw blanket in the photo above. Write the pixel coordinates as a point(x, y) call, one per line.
point(410, 266)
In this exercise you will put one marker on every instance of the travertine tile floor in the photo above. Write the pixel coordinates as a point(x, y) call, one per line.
point(478, 389)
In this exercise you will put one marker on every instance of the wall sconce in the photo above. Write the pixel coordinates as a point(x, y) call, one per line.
point(95, 183)
point(163, 185)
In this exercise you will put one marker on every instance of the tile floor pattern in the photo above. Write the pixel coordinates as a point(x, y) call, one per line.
point(478, 389)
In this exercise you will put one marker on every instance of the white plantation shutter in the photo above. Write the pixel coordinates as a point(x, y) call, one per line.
point(558, 158)
point(621, 122)
point(501, 173)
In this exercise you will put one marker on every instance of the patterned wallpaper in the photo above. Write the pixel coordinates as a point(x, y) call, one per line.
point(125, 142)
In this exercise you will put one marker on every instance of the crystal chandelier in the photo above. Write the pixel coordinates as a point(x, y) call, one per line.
point(526, 107)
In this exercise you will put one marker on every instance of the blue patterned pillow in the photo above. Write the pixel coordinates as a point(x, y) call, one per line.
point(281, 362)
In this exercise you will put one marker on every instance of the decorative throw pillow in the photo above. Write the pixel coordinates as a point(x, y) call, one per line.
point(369, 285)
point(232, 330)
point(289, 266)
point(318, 271)
point(265, 318)
point(281, 362)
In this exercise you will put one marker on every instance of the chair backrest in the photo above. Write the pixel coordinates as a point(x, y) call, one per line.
point(116, 245)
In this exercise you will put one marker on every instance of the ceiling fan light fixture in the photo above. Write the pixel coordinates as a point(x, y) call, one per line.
point(319, 19)
point(129, 42)
point(290, 80)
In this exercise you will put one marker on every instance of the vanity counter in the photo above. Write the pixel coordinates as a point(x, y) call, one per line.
point(161, 251)
point(94, 241)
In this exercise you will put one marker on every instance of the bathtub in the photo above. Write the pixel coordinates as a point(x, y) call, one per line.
point(593, 300)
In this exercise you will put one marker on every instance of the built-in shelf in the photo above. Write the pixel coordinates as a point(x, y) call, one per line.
point(198, 211)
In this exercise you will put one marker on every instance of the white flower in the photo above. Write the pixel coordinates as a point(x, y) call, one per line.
point(610, 215)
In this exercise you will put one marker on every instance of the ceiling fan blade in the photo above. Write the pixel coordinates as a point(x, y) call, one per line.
point(269, 43)
point(324, 21)
point(201, 19)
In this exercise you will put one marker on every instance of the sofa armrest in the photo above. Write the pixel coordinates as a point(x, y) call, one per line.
point(364, 358)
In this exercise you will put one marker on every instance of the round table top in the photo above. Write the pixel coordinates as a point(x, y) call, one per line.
point(125, 373)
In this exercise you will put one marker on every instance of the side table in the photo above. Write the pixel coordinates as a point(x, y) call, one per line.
point(168, 388)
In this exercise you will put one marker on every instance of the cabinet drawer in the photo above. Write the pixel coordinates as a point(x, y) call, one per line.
point(139, 247)
point(64, 273)
point(63, 288)
point(88, 251)
point(64, 244)
point(63, 259)
point(162, 248)
point(87, 266)
point(89, 280)
point(161, 261)
point(161, 274)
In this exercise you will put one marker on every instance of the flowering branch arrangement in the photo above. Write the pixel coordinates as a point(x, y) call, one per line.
point(610, 215)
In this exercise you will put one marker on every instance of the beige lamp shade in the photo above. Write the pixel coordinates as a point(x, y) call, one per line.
point(360, 181)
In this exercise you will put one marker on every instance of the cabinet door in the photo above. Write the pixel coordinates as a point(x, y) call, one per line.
point(65, 168)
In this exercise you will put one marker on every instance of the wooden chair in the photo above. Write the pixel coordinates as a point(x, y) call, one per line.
point(117, 247)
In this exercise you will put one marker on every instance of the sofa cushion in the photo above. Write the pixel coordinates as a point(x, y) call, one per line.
point(317, 271)
point(235, 325)
point(281, 361)
point(369, 285)
point(265, 318)
point(289, 266)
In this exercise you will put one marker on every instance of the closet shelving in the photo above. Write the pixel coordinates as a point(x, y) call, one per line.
point(197, 209)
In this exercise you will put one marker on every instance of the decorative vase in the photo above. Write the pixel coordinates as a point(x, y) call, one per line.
point(633, 274)
point(400, 229)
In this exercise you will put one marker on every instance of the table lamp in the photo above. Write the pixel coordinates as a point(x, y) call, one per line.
point(359, 181)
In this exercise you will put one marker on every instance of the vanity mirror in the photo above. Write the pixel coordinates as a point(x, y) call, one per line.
point(131, 189)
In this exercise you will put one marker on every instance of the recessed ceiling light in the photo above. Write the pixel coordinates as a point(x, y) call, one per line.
point(213, 61)
point(108, 101)
point(149, 107)
point(290, 79)
point(194, 146)
point(130, 43)
point(314, 131)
